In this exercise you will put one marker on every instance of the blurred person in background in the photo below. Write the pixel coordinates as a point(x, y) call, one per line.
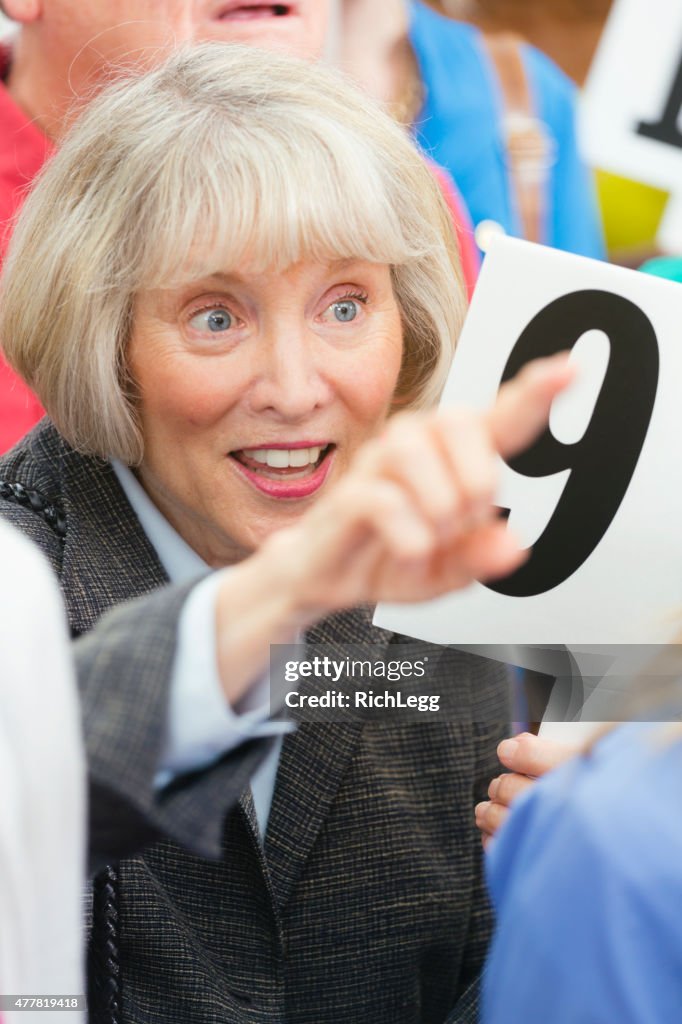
point(499, 119)
point(592, 934)
point(42, 792)
point(64, 50)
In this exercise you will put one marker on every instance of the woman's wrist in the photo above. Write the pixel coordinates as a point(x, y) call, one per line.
point(257, 605)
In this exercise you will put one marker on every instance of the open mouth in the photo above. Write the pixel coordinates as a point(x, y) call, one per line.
point(282, 472)
point(276, 463)
point(245, 11)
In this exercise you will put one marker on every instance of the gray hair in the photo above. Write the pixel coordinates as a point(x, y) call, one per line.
point(220, 152)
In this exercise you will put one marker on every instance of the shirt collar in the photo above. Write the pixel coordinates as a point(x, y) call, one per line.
point(180, 561)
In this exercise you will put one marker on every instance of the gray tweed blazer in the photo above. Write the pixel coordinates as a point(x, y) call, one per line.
point(364, 904)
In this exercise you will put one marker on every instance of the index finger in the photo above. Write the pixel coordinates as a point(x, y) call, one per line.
point(522, 408)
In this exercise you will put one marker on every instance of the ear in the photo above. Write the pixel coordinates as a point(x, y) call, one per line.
point(24, 11)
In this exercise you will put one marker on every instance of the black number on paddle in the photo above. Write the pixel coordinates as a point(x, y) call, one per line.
point(603, 461)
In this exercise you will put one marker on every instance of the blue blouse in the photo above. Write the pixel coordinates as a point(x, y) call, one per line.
point(586, 877)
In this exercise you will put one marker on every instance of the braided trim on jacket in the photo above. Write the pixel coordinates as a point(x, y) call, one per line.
point(50, 511)
point(104, 970)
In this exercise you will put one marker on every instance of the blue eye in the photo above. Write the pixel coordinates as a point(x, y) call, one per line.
point(345, 310)
point(215, 321)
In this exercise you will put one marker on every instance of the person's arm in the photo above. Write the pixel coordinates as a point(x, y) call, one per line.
point(586, 883)
point(202, 725)
point(124, 667)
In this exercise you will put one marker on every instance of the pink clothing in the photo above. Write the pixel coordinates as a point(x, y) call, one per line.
point(23, 151)
point(468, 250)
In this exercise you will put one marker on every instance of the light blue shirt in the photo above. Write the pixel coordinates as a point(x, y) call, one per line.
point(201, 724)
point(586, 877)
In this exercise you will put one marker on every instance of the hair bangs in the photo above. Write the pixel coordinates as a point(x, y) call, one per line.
point(269, 201)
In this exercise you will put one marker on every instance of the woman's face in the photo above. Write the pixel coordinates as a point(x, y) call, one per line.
point(256, 390)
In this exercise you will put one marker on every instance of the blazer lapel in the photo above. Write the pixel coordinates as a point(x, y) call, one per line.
point(107, 556)
point(312, 764)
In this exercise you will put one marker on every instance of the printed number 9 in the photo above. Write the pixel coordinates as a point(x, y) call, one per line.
point(603, 461)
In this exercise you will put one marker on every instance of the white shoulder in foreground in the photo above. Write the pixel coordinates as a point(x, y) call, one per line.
point(42, 787)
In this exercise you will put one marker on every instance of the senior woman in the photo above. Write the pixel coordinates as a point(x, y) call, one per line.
point(231, 275)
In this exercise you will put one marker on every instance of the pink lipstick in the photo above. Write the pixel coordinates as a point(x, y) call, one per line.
point(286, 481)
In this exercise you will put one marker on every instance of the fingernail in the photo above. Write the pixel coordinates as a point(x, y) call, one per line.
point(492, 788)
point(507, 750)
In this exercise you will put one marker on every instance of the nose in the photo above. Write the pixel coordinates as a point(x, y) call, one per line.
point(291, 382)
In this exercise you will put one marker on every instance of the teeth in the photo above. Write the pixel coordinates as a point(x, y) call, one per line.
point(259, 454)
point(283, 458)
point(300, 457)
point(277, 458)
